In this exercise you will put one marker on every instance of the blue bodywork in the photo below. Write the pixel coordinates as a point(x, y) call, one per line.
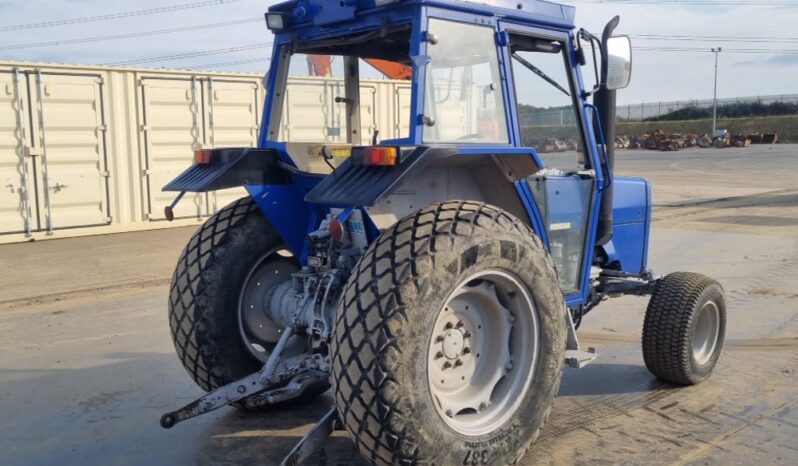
point(310, 20)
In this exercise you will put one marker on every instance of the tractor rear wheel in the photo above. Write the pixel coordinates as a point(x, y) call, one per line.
point(219, 293)
point(450, 338)
point(684, 328)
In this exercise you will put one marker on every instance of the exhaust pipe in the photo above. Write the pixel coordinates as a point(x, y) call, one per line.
point(605, 101)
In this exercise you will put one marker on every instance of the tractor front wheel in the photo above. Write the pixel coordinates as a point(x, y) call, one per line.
point(450, 339)
point(684, 328)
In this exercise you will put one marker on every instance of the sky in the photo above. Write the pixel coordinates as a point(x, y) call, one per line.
point(657, 75)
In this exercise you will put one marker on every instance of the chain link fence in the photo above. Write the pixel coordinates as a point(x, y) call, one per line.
point(639, 112)
point(533, 117)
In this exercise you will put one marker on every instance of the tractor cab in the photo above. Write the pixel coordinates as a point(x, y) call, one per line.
point(470, 79)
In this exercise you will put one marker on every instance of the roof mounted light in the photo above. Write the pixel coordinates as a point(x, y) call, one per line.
point(275, 21)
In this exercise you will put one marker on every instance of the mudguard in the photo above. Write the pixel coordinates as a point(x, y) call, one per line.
point(351, 184)
point(230, 168)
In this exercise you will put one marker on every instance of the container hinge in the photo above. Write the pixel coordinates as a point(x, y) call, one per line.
point(102, 128)
point(145, 172)
point(33, 151)
point(144, 128)
point(100, 80)
point(105, 174)
point(109, 219)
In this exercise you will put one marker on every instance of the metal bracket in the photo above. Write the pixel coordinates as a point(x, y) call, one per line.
point(314, 440)
point(574, 356)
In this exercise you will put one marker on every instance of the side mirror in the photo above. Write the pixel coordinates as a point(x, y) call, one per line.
point(619, 62)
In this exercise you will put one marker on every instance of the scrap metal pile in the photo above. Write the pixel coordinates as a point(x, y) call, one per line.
point(659, 140)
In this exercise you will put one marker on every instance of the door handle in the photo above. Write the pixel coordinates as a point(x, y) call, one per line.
point(57, 187)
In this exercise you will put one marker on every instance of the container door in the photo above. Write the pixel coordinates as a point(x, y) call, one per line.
point(232, 113)
point(401, 106)
point(369, 110)
point(170, 125)
point(17, 194)
point(69, 133)
point(310, 111)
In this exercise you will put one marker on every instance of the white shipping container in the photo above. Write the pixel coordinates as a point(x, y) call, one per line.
point(86, 149)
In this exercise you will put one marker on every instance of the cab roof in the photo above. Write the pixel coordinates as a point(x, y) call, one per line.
point(304, 13)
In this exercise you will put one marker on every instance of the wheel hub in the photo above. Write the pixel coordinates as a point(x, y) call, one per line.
point(257, 327)
point(705, 333)
point(453, 344)
point(476, 339)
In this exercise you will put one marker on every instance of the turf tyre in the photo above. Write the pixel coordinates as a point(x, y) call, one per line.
point(670, 324)
point(382, 333)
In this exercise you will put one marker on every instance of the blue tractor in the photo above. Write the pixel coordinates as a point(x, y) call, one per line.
point(433, 279)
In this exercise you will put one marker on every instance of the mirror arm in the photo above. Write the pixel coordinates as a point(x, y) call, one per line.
point(585, 34)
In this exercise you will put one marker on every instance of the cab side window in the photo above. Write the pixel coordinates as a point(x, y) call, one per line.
point(546, 111)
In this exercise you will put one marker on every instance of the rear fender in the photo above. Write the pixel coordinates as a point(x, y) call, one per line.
point(232, 167)
point(428, 175)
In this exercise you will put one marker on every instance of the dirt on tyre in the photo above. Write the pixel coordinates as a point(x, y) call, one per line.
point(450, 339)
point(217, 300)
point(684, 328)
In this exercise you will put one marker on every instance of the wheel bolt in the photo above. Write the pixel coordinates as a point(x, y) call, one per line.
point(448, 326)
point(449, 413)
point(467, 334)
point(438, 355)
point(458, 363)
point(439, 339)
point(447, 365)
point(483, 406)
point(460, 324)
point(466, 350)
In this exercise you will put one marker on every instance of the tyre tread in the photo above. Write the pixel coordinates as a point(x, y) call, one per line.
point(186, 318)
point(666, 328)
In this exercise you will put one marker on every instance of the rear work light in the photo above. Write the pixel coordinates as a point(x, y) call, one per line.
point(275, 21)
point(379, 156)
point(203, 157)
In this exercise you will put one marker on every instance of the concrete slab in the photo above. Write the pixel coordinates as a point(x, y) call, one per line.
point(85, 375)
point(45, 268)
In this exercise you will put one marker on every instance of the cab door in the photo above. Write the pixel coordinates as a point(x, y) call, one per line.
point(550, 121)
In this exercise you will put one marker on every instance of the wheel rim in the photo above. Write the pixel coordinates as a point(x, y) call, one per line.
point(258, 330)
point(482, 352)
point(705, 335)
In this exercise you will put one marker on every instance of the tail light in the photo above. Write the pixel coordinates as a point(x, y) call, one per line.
point(379, 156)
point(203, 157)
